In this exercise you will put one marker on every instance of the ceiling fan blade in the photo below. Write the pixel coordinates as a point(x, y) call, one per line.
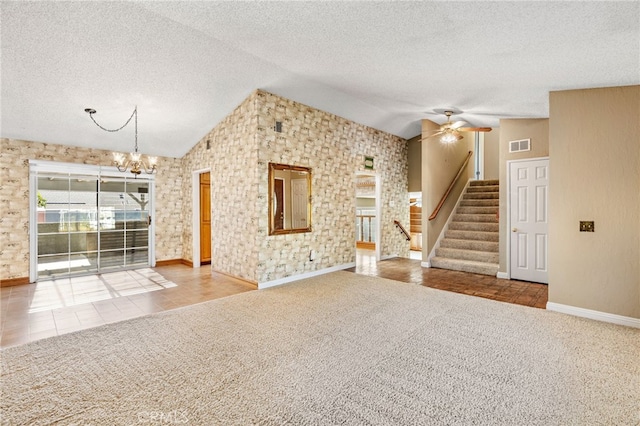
point(474, 129)
point(435, 135)
point(457, 124)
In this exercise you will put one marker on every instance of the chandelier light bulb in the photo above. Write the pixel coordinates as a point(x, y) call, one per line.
point(118, 159)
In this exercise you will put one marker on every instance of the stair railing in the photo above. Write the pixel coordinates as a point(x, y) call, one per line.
point(365, 227)
point(450, 188)
point(402, 230)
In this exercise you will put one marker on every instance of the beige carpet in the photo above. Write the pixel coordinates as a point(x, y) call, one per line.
point(336, 349)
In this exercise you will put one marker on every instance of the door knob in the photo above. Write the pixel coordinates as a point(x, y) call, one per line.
point(514, 230)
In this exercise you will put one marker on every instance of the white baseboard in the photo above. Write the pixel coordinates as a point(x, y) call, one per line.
point(389, 256)
point(425, 264)
point(502, 275)
point(285, 280)
point(594, 315)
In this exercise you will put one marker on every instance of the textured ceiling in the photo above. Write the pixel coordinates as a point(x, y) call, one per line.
point(188, 64)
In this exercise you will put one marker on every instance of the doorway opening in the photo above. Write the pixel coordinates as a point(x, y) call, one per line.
point(367, 218)
point(415, 225)
point(201, 247)
point(205, 218)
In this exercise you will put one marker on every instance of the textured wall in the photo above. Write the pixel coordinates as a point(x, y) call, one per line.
point(14, 199)
point(241, 147)
point(232, 159)
point(335, 149)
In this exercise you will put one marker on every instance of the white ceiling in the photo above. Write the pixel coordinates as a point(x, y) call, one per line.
point(188, 64)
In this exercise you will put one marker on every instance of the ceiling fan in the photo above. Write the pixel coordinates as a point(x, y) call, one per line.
point(450, 132)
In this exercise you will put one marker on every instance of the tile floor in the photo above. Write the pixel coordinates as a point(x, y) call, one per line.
point(410, 271)
point(50, 308)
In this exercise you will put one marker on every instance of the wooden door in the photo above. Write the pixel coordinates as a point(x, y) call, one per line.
point(529, 184)
point(205, 218)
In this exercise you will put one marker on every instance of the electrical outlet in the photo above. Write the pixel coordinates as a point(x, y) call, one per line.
point(586, 226)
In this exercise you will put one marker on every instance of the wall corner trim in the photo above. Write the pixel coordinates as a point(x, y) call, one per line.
point(10, 282)
point(503, 276)
point(292, 278)
point(594, 315)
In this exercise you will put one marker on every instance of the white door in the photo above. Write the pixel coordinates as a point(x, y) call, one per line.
point(529, 219)
point(299, 203)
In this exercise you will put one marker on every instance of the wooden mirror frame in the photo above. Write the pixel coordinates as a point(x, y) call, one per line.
point(276, 228)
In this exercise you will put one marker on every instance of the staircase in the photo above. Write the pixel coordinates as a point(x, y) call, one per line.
point(470, 244)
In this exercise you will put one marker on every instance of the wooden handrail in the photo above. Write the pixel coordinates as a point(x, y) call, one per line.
point(404, 231)
point(453, 182)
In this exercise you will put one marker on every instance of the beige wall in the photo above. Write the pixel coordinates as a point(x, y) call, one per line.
point(492, 154)
point(536, 129)
point(14, 199)
point(415, 164)
point(595, 175)
point(440, 164)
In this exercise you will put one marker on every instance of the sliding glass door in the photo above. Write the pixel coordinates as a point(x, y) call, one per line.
point(90, 223)
point(67, 235)
point(124, 237)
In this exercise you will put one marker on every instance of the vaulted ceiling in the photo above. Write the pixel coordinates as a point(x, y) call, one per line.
point(388, 65)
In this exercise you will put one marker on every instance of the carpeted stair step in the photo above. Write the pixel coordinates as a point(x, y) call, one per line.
point(474, 226)
point(471, 235)
point(475, 218)
point(465, 266)
point(483, 188)
point(474, 255)
point(471, 242)
point(480, 195)
point(477, 210)
point(480, 202)
point(491, 182)
point(485, 246)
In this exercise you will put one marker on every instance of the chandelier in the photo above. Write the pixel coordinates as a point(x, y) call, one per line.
point(135, 163)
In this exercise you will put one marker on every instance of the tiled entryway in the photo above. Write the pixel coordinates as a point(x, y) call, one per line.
point(410, 271)
point(50, 308)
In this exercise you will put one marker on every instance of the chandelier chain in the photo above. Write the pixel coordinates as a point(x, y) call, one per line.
point(135, 163)
point(134, 113)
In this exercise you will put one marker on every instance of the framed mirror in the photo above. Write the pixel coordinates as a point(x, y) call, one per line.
point(289, 199)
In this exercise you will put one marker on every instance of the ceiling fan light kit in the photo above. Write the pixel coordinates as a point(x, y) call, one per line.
point(450, 132)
